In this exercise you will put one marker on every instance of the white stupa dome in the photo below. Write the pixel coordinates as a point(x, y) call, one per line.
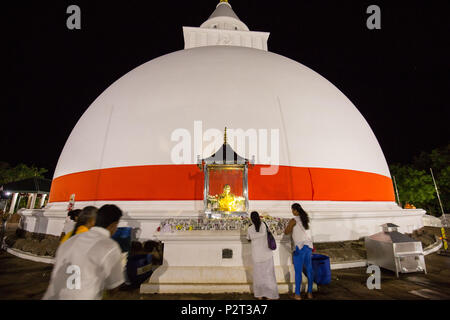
point(122, 148)
point(139, 144)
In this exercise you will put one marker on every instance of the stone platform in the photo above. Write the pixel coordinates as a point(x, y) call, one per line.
point(214, 262)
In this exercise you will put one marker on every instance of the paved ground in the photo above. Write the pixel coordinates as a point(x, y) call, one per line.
point(23, 279)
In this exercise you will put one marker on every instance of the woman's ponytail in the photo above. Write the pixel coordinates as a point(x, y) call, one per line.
point(88, 213)
point(302, 215)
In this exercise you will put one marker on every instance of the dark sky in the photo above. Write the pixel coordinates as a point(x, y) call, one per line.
point(398, 77)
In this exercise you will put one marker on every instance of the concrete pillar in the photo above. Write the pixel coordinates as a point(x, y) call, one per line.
point(43, 197)
point(13, 202)
point(33, 200)
point(29, 201)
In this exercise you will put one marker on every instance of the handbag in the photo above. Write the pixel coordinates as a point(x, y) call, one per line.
point(270, 239)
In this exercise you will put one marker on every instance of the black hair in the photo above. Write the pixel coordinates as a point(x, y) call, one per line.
point(256, 220)
point(86, 214)
point(74, 213)
point(136, 246)
point(107, 215)
point(150, 245)
point(302, 214)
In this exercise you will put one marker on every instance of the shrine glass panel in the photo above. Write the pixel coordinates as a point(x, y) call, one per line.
point(226, 189)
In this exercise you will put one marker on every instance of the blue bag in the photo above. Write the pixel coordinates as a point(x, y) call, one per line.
point(139, 268)
point(123, 238)
point(321, 268)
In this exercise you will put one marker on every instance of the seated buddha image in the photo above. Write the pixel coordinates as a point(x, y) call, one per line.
point(227, 200)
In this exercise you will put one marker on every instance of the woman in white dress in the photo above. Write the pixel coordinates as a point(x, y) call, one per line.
point(264, 280)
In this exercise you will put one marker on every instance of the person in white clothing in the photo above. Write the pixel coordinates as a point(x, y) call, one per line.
point(264, 280)
point(302, 239)
point(88, 263)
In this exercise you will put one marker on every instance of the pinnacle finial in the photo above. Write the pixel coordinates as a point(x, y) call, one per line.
point(225, 136)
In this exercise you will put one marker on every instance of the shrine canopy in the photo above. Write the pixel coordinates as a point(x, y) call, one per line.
point(31, 185)
point(225, 180)
point(225, 155)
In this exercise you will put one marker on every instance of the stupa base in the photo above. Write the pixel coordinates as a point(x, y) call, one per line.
point(330, 220)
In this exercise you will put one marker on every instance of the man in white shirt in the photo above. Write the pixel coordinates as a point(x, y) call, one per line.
point(88, 263)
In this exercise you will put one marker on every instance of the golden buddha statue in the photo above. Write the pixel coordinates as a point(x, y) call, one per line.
point(227, 200)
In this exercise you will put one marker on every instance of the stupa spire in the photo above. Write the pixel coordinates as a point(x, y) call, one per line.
point(223, 27)
point(224, 18)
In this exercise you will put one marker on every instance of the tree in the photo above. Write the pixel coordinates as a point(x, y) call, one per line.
point(20, 172)
point(414, 186)
point(439, 160)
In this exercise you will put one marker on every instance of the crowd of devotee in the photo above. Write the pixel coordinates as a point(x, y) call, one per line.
point(92, 261)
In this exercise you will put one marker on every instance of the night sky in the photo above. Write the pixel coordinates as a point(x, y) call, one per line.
point(398, 77)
